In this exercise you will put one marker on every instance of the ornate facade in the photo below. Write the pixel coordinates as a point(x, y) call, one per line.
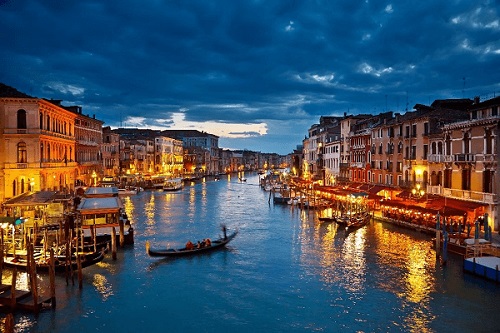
point(37, 145)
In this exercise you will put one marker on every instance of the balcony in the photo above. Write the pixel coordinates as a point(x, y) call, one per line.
point(488, 198)
point(20, 165)
point(344, 165)
point(488, 158)
point(359, 165)
point(464, 158)
point(436, 158)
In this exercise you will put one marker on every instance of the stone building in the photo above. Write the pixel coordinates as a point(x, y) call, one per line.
point(37, 144)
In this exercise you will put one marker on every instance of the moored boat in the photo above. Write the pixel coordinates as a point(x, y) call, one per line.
point(215, 244)
point(357, 222)
point(174, 184)
point(327, 219)
point(61, 265)
point(128, 190)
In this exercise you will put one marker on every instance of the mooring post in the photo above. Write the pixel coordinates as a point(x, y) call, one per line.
point(113, 244)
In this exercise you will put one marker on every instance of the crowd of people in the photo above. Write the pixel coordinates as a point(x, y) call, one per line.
point(204, 243)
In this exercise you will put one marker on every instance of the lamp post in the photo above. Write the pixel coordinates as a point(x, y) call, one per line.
point(417, 192)
point(94, 176)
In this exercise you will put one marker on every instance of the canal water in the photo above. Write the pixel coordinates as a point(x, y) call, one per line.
point(284, 272)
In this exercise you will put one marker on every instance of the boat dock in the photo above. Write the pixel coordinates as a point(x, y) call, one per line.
point(483, 259)
point(12, 299)
point(487, 267)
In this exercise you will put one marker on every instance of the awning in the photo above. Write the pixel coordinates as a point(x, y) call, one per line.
point(32, 199)
point(454, 207)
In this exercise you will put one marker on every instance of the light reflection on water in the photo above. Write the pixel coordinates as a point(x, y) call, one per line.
point(283, 272)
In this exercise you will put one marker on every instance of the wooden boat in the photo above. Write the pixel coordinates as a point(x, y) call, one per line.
point(42, 264)
point(174, 184)
point(358, 222)
point(128, 191)
point(327, 219)
point(216, 244)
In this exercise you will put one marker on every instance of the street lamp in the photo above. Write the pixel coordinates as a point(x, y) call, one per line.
point(94, 176)
point(417, 191)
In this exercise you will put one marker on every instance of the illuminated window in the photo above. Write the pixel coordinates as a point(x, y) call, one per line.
point(22, 155)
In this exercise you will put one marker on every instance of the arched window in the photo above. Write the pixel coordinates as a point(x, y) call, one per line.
point(42, 155)
point(22, 154)
point(21, 119)
point(14, 188)
point(41, 120)
point(47, 123)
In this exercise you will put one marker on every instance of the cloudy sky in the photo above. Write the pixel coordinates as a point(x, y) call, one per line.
point(256, 73)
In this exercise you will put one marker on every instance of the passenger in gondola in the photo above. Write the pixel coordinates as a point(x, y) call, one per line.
point(203, 242)
point(198, 246)
point(189, 245)
point(208, 242)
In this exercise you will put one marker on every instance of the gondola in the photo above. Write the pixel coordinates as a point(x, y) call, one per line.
point(216, 244)
point(327, 219)
point(357, 223)
point(87, 260)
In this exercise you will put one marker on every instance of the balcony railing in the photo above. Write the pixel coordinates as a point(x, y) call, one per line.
point(488, 198)
point(358, 165)
point(465, 158)
point(486, 158)
point(436, 158)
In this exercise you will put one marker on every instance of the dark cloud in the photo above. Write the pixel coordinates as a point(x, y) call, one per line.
point(280, 63)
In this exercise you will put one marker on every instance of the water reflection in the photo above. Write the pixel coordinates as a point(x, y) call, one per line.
point(102, 285)
point(409, 274)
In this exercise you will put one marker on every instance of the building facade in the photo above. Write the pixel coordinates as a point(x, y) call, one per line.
point(37, 145)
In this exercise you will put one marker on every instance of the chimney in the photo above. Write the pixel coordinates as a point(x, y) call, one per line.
point(476, 99)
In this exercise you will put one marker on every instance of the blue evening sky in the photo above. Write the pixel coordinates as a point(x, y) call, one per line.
point(256, 73)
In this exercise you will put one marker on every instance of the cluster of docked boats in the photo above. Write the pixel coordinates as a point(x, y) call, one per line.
point(68, 256)
point(349, 222)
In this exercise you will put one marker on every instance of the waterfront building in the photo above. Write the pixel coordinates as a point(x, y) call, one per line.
point(314, 144)
point(360, 147)
point(37, 144)
point(197, 139)
point(168, 156)
point(110, 153)
point(385, 153)
point(224, 160)
point(331, 157)
point(236, 164)
point(345, 145)
point(296, 161)
point(88, 135)
point(471, 149)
